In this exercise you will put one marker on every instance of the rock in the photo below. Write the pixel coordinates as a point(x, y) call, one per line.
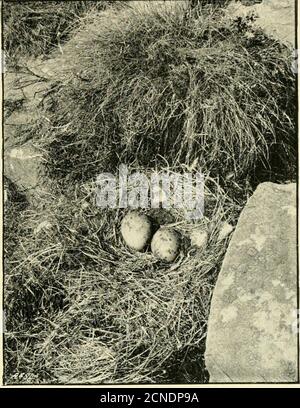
point(24, 87)
point(21, 118)
point(12, 91)
point(276, 18)
point(45, 68)
point(251, 329)
point(35, 91)
point(10, 136)
point(23, 165)
point(250, 2)
point(22, 95)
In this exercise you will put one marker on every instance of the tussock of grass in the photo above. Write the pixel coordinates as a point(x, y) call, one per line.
point(33, 28)
point(91, 311)
point(147, 80)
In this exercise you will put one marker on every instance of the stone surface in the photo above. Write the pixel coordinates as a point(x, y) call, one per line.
point(22, 95)
point(45, 68)
point(20, 86)
point(23, 166)
point(276, 18)
point(251, 329)
point(20, 118)
point(24, 90)
point(12, 89)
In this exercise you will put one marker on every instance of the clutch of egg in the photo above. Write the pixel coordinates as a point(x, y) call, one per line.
point(136, 231)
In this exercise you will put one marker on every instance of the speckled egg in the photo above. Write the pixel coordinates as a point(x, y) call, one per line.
point(136, 230)
point(165, 244)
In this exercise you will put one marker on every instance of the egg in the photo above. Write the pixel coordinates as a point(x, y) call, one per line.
point(199, 238)
point(165, 244)
point(225, 231)
point(136, 230)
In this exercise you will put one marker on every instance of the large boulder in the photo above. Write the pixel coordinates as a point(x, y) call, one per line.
point(23, 165)
point(23, 162)
point(276, 18)
point(252, 328)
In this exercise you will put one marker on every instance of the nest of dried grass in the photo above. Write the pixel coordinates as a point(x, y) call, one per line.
point(81, 307)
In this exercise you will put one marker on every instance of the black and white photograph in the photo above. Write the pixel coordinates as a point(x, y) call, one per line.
point(149, 193)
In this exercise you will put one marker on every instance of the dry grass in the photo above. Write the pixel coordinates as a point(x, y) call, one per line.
point(91, 311)
point(143, 82)
point(34, 28)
